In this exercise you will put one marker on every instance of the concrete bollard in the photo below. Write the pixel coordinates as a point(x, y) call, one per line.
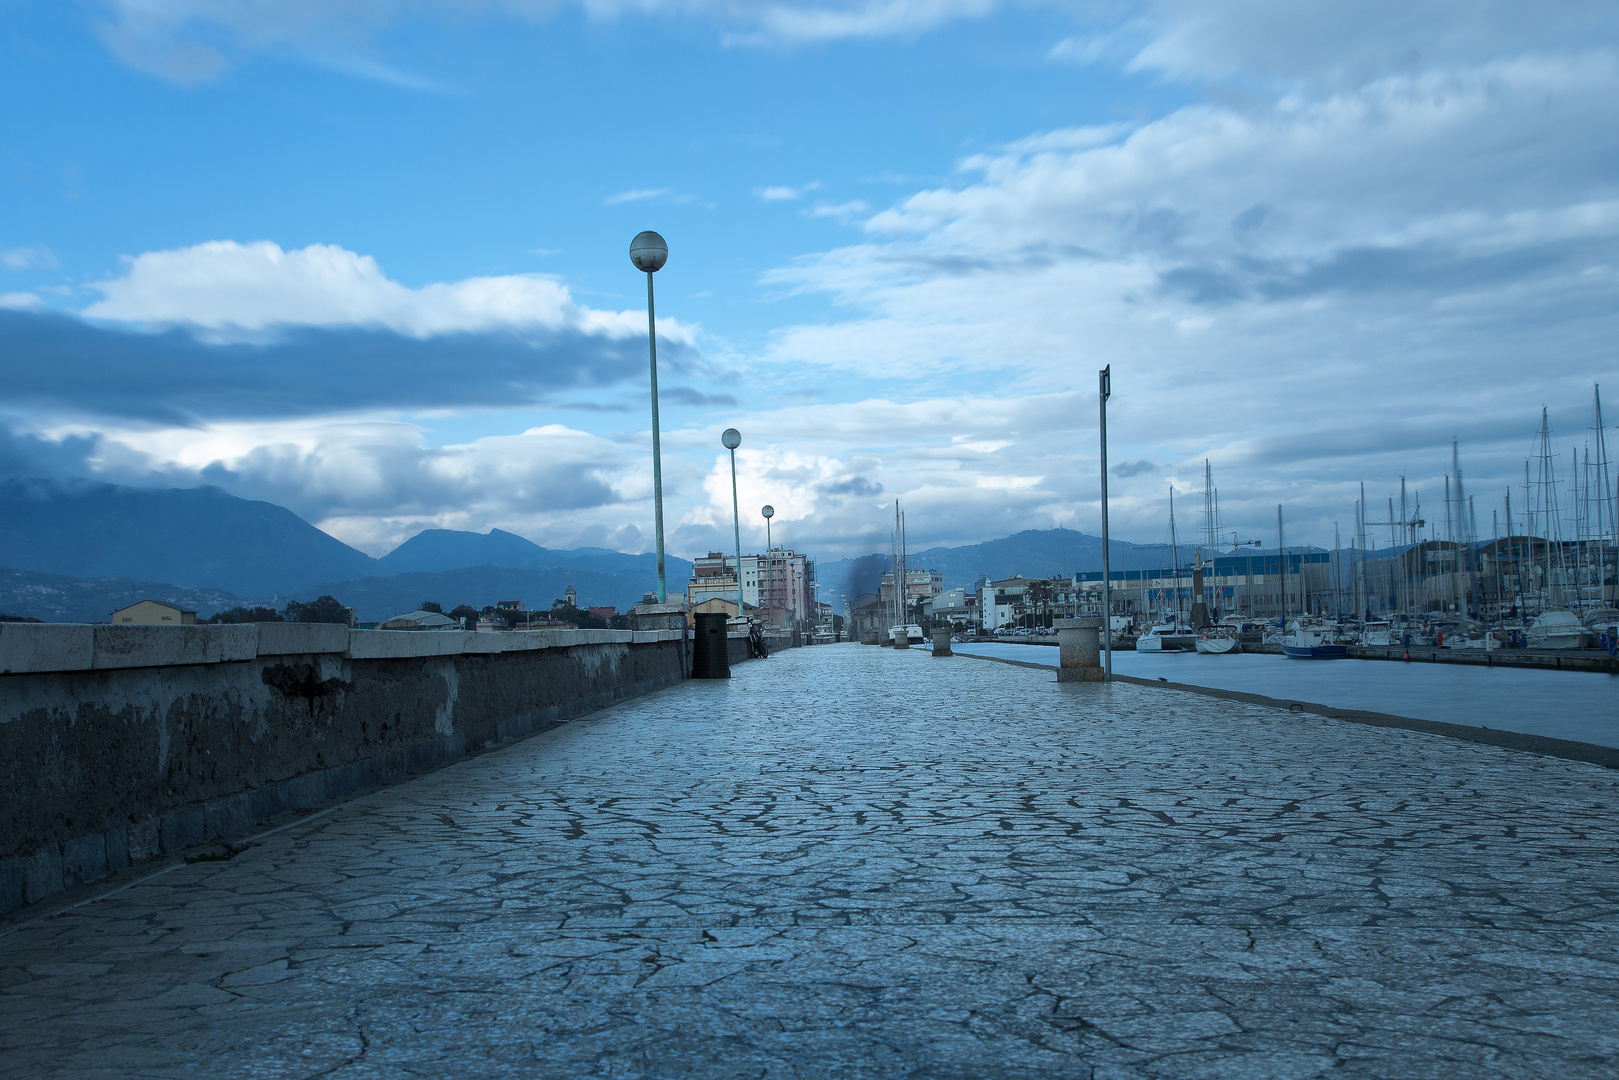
point(1079, 641)
point(941, 641)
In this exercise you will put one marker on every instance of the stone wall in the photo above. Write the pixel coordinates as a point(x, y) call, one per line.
point(121, 743)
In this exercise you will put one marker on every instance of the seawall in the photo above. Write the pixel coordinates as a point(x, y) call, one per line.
point(123, 743)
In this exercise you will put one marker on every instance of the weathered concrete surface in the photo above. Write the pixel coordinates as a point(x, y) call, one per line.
point(123, 742)
point(862, 863)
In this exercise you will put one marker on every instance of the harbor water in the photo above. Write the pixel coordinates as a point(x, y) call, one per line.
point(1582, 706)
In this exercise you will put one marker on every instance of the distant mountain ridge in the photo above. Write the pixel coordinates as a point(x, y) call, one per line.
point(1032, 553)
point(103, 546)
point(193, 538)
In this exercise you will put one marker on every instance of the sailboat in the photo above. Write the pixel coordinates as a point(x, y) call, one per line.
point(1218, 640)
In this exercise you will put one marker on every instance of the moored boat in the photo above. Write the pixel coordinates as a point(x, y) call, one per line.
point(1166, 637)
point(1218, 641)
point(1556, 630)
point(1312, 643)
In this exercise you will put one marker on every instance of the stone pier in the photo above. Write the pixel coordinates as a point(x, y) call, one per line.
point(850, 862)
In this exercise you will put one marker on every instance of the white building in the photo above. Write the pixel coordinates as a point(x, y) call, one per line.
point(780, 584)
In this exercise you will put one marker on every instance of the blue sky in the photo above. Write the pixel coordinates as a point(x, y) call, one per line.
point(368, 259)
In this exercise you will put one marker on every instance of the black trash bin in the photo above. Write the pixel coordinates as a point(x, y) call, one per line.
point(711, 652)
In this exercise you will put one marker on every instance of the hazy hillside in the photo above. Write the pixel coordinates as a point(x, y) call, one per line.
point(1032, 553)
point(435, 550)
point(192, 537)
point(58, 598)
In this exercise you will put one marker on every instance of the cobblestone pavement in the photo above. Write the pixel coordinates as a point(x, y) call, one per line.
point(854, 862)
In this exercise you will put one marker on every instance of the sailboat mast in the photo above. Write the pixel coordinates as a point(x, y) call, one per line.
point(1281, 555)
point(1608, 529)
point(1174, 557)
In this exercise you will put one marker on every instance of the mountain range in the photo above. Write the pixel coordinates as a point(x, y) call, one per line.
point(78, 550)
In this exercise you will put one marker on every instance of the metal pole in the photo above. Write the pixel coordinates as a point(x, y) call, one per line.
point(736, 521)
point(1105, 387)
point(657, 449)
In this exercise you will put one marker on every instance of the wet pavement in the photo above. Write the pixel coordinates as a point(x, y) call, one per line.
point(854, 862)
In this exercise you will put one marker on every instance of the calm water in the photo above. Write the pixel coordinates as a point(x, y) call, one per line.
point(1576, 705)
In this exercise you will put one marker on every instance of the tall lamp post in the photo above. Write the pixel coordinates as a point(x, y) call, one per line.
point(770, 560)
point(731, 439)
point(1105, 391)
point(648, 253)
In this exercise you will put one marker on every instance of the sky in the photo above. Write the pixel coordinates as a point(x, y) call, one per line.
point(368, 259)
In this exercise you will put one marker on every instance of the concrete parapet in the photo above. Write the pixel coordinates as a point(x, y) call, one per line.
point(122, 743)
point(1080, 645)
point(166, 646)
point(31, 647)
point(941, 641)
point(300, 638)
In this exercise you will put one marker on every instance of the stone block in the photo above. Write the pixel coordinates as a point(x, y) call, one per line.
point(290, 639)
point(183, 828)
point(342, 779)
point(117, 841)
point(229, 814)
point(405, 644)
point(165, 646)
point(145, 842)
point(306, 789)
point(42, 874)
point(268, 801)
point(11, 884)
point(32, 647)
point(84, 859)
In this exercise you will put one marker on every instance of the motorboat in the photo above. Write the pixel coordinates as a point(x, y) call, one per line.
point(909, 634)
point(1217, 641)
point(1378, 633)
point(1559, 629)
point(1166, 637)
point(1312, 643)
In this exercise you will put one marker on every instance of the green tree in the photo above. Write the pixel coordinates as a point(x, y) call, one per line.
point(246, 615)
point(582, 619)
point(322, 609)
point(464, 612)
point(432, 605)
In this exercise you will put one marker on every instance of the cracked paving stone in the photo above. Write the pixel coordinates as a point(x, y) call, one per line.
point(856, 862)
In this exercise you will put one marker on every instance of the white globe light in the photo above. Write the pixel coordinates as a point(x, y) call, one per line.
point(649, 252)
point(768, 511)
point(731, 439)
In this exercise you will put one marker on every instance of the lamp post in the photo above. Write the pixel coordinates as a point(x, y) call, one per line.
point(1105, 391)
point(731, 439)
point(648, 253)
point(770, 560)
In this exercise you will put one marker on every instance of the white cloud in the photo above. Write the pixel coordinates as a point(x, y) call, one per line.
point(637, 195)
point(20, 301)
point(34, 257)
point(189, 41)
point(230, 288)
point(1308, 291)
point(1348, 44)
point(844, 211)
point(374, 481)
point(783, 192)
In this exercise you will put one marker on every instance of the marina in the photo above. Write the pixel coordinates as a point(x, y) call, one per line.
point(1579, 706)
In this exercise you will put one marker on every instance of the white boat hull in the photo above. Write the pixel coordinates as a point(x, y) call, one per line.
point(1218, 646)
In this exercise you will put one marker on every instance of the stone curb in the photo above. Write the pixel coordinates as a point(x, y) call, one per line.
point(1568, 749)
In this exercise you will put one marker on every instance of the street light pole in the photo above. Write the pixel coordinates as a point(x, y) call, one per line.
point(1105, 391)
point(731, 439)
point(648, 253)
point(770, 560)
